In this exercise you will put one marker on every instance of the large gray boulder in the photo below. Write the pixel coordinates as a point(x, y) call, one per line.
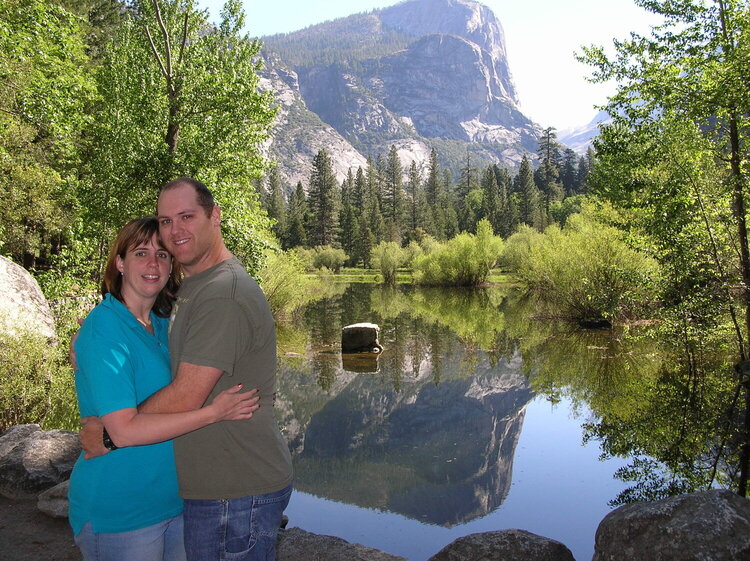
point(33, 460)
point(296, 544)
point(360, 338)
point(22, 304)
point(504, 544)
point(707, 526)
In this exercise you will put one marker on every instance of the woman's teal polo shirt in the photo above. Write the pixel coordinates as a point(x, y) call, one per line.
point(120, 364)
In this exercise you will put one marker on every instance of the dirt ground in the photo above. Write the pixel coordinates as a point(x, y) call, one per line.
point(28, 535)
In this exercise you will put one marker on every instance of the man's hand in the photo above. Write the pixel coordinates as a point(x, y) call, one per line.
point(91, 437)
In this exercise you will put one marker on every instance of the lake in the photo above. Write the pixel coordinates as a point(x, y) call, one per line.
point(446, 432)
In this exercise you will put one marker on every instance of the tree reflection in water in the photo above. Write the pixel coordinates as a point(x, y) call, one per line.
point(430, 430)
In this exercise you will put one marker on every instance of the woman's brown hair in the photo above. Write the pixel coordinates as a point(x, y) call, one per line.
point(135, 233)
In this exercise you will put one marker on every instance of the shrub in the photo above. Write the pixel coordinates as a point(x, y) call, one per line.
point(331, 258)
point(518, 248)
point(411, 252)
point(465, 260)
point(285, 283)
point(585, 271)
point(388, 257)
point(36, 382)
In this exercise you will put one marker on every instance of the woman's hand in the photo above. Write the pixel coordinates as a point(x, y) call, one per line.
point(231, 405)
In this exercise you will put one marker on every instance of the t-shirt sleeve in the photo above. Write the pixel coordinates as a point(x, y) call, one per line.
point(218, 333)
point(105, 369)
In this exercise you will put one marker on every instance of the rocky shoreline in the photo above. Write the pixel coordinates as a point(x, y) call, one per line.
point(35, 466)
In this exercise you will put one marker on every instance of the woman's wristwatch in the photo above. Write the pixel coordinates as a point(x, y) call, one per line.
point(107, 441)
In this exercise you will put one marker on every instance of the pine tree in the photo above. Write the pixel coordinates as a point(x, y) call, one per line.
point(372, 205)
point(447, 205)
point(419, 215)
point(585, 165)
point(548, 174)
point(348, 218)
point(275, 204)
point(364, 245)
point(393, 185)
point(491, 198)
point(323, 199)
point(507, 219)
point(528, 195)
point(433, 179)
point(569, 173)
point(296, 234)
point(468, 213)
point(359, 192)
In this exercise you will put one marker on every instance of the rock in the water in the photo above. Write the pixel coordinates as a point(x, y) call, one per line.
point(54, 501)
point(297, 545)
point(502, 545)
point(32, 460)
point(707, 526)
point(360, 338)
point(22, 304)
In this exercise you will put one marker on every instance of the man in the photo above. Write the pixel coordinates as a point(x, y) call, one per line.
point(235, 477)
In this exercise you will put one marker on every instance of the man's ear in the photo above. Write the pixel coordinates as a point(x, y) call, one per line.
point(216, 216)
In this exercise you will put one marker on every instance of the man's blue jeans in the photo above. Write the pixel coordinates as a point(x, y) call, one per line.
point(243, 529)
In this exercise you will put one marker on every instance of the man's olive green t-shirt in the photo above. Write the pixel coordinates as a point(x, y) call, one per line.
point(222, 319)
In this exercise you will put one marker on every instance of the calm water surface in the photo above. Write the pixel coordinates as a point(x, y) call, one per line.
point(444, 434)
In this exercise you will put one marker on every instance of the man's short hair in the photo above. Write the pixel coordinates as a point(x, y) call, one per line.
point(205, 198)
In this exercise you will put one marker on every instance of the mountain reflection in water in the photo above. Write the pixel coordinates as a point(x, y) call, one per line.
point(430, 435)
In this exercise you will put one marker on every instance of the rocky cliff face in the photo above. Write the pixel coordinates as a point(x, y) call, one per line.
point(431, 73)
point(299, 133)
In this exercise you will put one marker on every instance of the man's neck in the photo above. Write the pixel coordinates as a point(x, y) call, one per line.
point(210, 260)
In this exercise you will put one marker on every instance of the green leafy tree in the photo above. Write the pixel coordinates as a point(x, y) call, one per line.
point(45, 91)
point(179, 97)
point(687, 81)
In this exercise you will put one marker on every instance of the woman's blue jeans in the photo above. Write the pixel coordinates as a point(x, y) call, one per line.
point(158, 542)
point(242, 529)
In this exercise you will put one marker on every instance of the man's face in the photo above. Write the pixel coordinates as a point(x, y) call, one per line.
point(187, 232)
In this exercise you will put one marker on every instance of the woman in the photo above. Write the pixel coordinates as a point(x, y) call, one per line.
point(124, 505)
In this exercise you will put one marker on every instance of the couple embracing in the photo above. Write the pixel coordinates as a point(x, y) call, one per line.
point(182, 347)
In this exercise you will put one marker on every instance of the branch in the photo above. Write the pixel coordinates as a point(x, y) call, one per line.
point(165, 35)
point(184, 37)
point(156, 54)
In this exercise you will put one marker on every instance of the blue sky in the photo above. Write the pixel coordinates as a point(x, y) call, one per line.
point(541, 37)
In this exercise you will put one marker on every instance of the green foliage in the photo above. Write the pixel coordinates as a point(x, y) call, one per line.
point(516, 255)
point(186, 105)
point(585, 271)
point(286, 285)
point(388, 257)
point(45, 90)
point(330, 258)
point(465, 260)
point(36, 382)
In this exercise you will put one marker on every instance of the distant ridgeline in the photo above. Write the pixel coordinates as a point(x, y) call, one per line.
point(419, 75)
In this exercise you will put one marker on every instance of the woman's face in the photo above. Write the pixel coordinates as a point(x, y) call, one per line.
point(145, 270)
